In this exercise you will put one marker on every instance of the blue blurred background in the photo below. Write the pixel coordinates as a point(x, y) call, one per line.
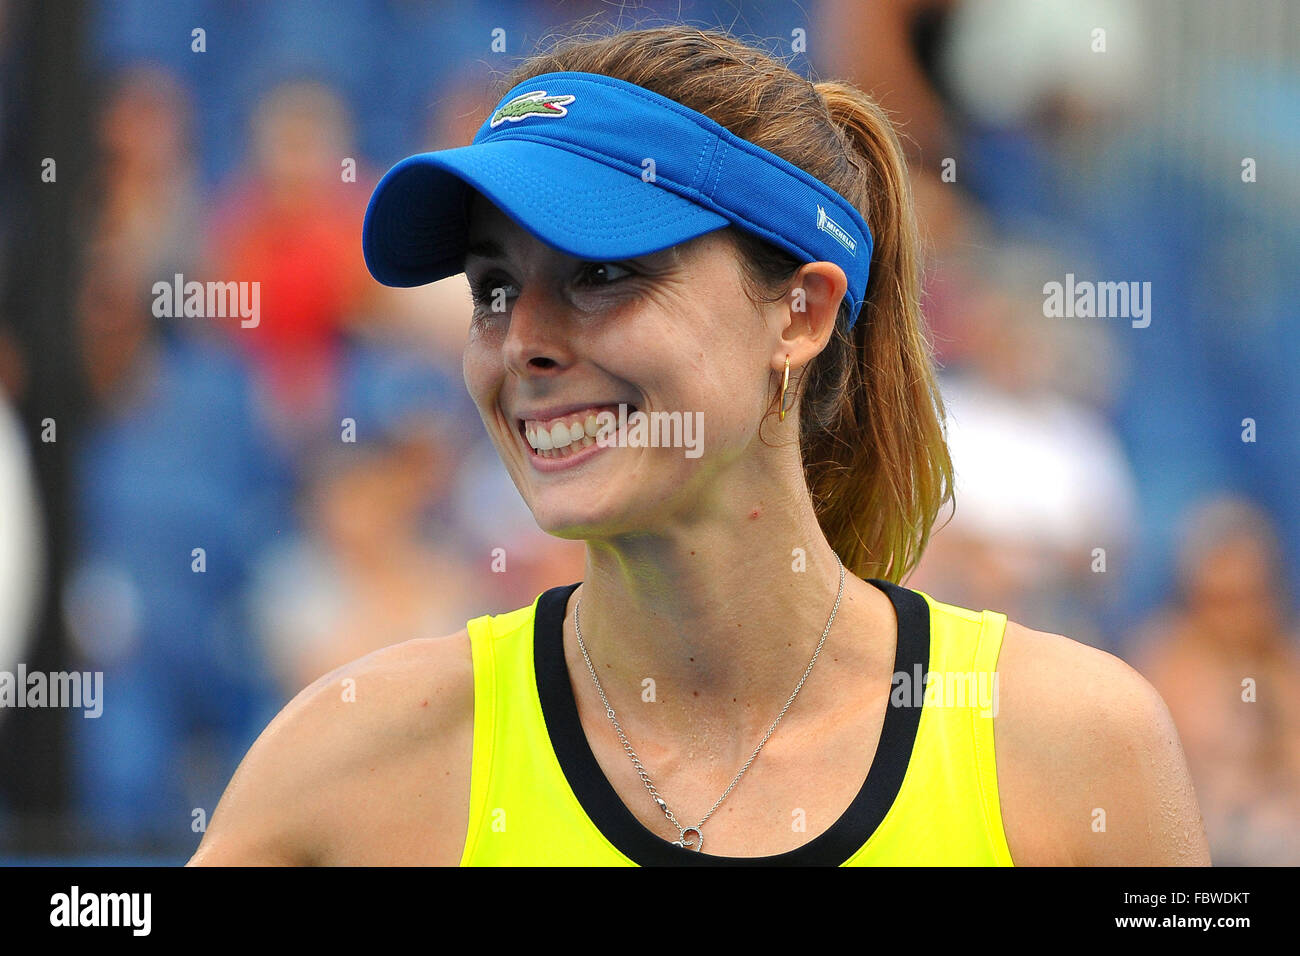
point(1131, 487)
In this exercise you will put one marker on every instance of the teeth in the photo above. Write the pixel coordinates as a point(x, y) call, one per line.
point(567, 433)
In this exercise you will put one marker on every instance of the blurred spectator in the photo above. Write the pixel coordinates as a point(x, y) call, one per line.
point(146, 213)
point(144, 220)
point(292, 222)
point(1223, 654)
point(890, 49)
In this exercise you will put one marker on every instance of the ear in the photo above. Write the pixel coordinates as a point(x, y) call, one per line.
point(808, 313)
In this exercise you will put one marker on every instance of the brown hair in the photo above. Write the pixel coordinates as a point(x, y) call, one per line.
point(870, 416)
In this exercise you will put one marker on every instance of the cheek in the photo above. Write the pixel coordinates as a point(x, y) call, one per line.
point(721, 402)
point(483, 373)
point(720, 379)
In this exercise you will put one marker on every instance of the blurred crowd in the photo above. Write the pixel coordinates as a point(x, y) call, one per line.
point(253, 507)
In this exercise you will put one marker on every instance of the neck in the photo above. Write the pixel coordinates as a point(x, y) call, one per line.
point(723, 618)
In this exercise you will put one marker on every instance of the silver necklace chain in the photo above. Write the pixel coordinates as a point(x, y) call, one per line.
point(698, 842)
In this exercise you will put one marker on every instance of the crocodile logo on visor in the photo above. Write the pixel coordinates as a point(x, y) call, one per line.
point(536, 103)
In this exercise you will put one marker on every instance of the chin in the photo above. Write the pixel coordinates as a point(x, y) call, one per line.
point(575, 522)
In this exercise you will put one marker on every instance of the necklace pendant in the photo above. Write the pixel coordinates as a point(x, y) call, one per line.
point(695, 844)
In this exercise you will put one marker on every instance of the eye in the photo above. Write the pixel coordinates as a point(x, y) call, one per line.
point(590, 274)
point(484, 289)
point(610, 270)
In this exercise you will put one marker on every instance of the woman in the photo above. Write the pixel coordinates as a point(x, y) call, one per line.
point(657, 222)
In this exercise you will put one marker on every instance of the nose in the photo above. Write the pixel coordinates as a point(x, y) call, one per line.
point(536, 337)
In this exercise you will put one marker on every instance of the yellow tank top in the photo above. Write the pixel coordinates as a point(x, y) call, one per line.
point(930, 798)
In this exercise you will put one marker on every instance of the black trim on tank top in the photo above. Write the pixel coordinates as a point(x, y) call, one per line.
point(845, 837)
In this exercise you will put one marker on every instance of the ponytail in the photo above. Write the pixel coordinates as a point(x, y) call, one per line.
point(875, 455)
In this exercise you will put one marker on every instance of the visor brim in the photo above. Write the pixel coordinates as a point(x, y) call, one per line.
point(416, 224)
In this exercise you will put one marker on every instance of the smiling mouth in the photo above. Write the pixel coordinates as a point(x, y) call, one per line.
point(576, 442)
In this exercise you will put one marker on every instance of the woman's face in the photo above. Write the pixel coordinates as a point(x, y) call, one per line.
point(669, 332)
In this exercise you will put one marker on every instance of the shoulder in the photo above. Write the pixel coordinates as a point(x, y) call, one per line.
point(396, 719)
point(1090, 767)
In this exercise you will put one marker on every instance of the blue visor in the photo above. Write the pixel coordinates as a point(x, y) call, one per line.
point(602, 169)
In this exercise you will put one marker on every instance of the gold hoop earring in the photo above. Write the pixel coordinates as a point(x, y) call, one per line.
point(785, 382)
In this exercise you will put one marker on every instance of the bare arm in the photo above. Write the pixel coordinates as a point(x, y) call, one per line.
point(1090, 767)
point(369, 764)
